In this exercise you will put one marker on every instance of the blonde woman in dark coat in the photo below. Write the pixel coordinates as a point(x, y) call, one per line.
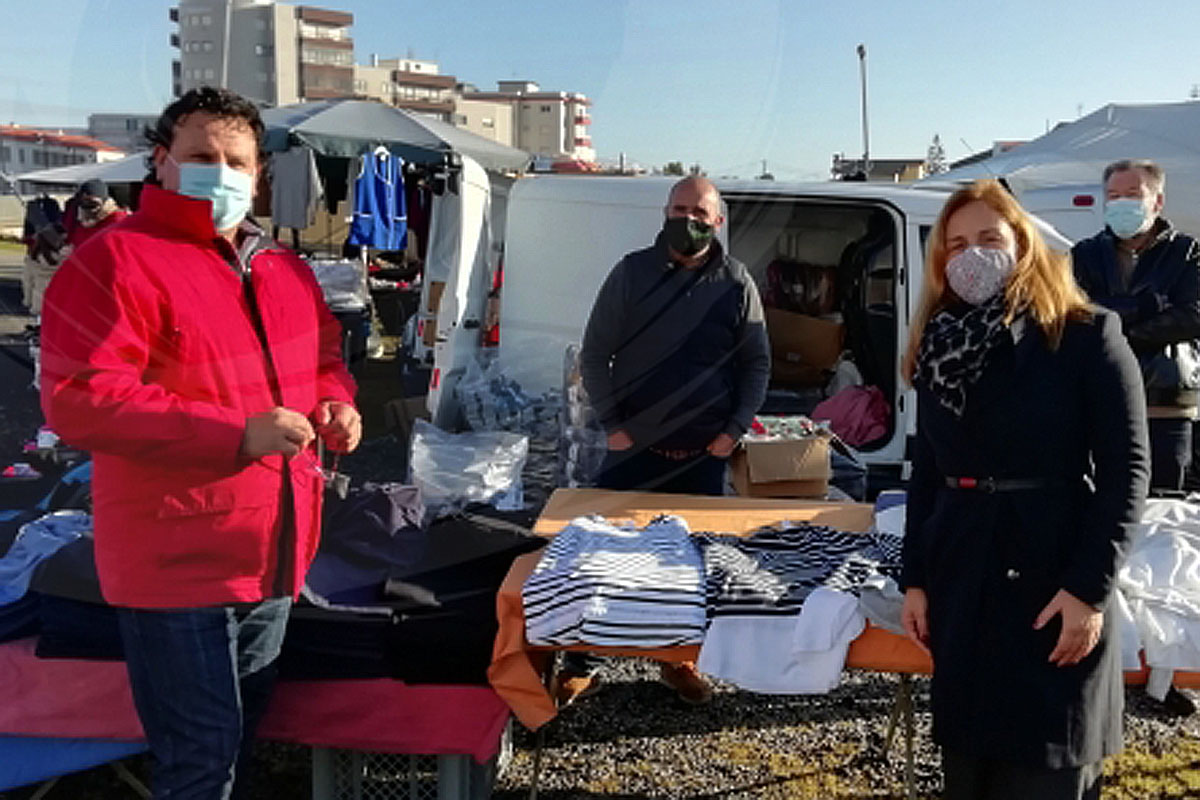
point(1030, 468)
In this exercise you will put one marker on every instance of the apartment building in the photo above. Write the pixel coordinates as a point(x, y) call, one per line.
point(123, 131)
point(270, 52)
point(25, 149)
point(407, 83)
point(543, 123)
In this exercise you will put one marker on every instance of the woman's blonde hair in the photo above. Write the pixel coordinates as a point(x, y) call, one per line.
point(1042, 283)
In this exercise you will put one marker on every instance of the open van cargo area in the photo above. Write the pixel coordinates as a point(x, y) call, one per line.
point(826, 273)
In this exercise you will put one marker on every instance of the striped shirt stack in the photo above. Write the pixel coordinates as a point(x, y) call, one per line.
point(617, 586)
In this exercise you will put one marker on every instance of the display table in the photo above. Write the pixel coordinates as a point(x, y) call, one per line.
point(517, 667)
point(42, 699)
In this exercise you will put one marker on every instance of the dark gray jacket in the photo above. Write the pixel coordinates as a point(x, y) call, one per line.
point(675, 356)
point(1160, 309)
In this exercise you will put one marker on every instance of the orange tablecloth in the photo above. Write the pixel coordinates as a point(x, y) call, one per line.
point(516, 668)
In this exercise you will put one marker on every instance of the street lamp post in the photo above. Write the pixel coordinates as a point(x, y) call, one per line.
point(862, 70)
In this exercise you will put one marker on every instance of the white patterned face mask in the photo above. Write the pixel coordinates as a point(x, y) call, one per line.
point(978, 273)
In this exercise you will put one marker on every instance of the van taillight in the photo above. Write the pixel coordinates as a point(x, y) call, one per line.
point(435, 378)
point(1083, 201)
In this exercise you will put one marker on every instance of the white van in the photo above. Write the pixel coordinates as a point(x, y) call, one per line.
point(464, 251)
point(565, 233)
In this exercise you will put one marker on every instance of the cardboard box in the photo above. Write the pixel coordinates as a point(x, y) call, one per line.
point(787, 373)
point(798, 340)
point(785, 468)
point(434, 300)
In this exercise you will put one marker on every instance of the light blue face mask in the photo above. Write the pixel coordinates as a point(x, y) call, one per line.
point(1127, 216)
point(230, 190)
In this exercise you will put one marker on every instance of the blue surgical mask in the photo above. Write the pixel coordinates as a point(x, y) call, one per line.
point(230, 191)
point(1127, 216)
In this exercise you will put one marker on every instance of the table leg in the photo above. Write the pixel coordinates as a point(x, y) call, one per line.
point(129, 778)
point(44, 789)
point(894, 716)
point(903, 713)
point(910, 732)
point(548, 673)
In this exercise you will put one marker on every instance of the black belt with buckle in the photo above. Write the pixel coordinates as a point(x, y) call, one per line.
point(991, 485)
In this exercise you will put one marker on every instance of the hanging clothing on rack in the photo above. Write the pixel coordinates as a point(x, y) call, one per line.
point(379, 208)
point(334, 172)
point(296, 188)
point(419, 200)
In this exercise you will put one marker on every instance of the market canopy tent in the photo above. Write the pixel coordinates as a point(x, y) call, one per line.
point(130, 169)
point(345, 127)
point(1076, 154)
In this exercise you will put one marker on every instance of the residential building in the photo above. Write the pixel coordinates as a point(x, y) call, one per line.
point(124, 131)
point(407, 83)
point(26, 149)
point(544, 123)
point(270, 52)
point(880, 170)
point(492, 119)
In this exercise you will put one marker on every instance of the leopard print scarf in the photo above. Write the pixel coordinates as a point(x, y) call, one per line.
point(954, 350)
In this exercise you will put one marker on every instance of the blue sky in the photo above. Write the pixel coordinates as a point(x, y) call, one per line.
point(721, 82)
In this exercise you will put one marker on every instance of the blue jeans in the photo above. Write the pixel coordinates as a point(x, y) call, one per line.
point(201, 680)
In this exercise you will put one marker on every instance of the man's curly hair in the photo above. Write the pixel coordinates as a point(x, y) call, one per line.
point(211, 100)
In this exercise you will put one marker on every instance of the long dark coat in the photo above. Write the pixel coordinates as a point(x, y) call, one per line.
point(1074, 418)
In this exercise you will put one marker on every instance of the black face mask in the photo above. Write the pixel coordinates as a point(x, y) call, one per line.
point(687, 236)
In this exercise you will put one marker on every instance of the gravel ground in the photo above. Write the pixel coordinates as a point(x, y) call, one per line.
point(635, 739)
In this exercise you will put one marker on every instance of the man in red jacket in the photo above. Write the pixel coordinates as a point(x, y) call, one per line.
point(196, 360)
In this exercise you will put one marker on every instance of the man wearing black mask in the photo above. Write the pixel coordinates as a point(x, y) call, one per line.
point(675, 361)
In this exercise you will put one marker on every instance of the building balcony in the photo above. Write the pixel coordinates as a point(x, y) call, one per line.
point(325, 16)
point(319, 42)
point(425, 106)
point(583, 120)
point(173, 13)
point(324, 93)
point(405, 78)
point(583, 141)
point(174, 40)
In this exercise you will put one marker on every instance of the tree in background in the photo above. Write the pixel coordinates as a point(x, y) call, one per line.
point(673, 168)
point(935, 158)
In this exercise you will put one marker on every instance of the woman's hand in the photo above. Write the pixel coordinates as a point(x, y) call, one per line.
point(1081, 626)
point(915, 618)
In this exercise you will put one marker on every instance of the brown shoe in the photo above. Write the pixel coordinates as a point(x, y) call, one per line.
point(692, 687)
point(567, 687)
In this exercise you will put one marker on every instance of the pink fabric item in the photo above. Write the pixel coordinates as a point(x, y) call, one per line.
point(91, 699)
point(857, 414)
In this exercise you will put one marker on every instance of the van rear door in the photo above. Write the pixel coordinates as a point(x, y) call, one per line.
point(831, 270)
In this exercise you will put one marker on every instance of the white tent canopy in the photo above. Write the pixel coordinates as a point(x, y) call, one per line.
point(1075, 155)
point(130, 169)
